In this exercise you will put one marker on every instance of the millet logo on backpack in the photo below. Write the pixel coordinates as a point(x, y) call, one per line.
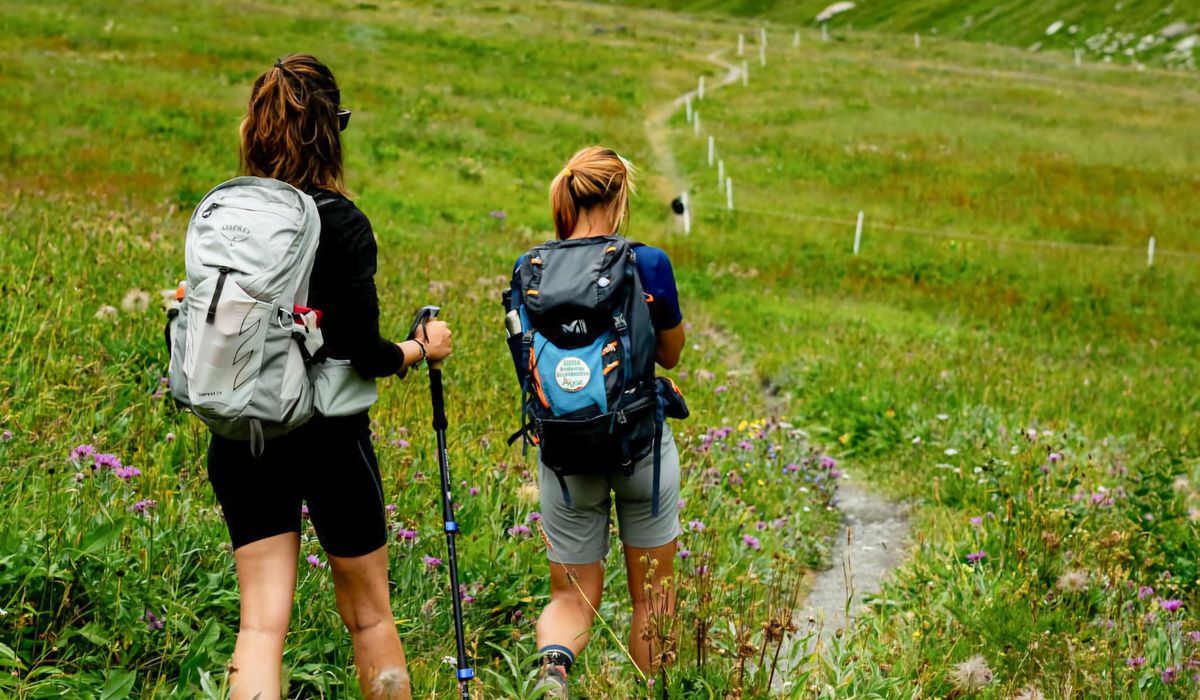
point(572, 374)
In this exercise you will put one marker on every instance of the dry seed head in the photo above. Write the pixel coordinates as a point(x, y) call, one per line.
point(972, 675)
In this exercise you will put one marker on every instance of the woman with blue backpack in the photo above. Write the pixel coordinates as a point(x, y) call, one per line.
point(590, 315)
point(325, 469)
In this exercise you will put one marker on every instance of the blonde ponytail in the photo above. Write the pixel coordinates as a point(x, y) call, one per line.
point(593, 177)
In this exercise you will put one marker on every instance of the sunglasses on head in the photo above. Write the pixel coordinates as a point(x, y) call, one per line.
point(343, 116)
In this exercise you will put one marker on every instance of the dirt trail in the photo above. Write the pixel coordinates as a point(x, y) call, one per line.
point(874, 537)
point(672, 181)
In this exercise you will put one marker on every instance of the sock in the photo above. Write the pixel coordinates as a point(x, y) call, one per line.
point(557, 655)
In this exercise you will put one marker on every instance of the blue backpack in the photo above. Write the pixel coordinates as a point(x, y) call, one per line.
point(584, 357)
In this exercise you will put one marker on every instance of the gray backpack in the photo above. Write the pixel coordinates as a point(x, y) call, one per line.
point(242, 340)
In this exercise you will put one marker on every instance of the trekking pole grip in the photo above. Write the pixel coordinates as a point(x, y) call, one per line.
point(437, 397)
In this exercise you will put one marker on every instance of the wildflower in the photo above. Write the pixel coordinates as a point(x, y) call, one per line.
point(752, 542)
point(535, 516)
point(943, 416)
point(680, 504)
point(401, 443)
point(391, 507)
point(1145, 592)
point(828, 462)
point(1073, 582)
point(977, 521)
point(153, 622)
point(950, 451)
point(702, 569)
point(721, 389)
point(144, 505)
point(1135, 661)
point(746, 445)
point(6, 436)
point(685, 553)
point(916, 440)
point(735, 479)
point(498, 214)
point(431, 563)
point(705, 376)
point(976, 557)
point(406, 535)
point(304, 511)
point(1055, 458)
point(127, 473)
point(516, 530)
point(835, 473)
point(80, 476)
point(106, 311)
point(466, 597)
point(170, 437)
point(792, 468)
point(315, 561)
point(696, 525)
point(971, 675)
point(1170, 605)
point(474, 490)
point(106, 460)
point(82, 451)
point(1194, 636)
point(1170, 674)
point(135, 300)
point(760, 526)
point(1029, 692)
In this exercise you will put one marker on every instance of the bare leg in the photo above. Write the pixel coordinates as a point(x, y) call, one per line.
point(658, 600)
point(361, 586)
point(567, 620)
point(266, 572)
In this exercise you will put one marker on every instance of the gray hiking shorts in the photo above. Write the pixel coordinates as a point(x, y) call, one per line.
point(579, 532)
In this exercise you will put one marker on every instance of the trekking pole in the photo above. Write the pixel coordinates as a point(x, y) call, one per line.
point(465, 672)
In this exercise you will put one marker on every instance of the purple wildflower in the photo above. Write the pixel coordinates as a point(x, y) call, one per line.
point(760, 525)
point(106, 460)
point(431, 563)
point(464, 595)
point(474, 490)
point(1145, 592)
point(1135, 661)
point(828, 462)
point(746, 445)
point(519, 530)
point(685, 553)
point(304, 511)
point(391, 507)
point(6, 436)
point(1170, 674)
point(702, 569)
point(82, 451)
point(696, 525)
point(792, 468)
point(406, 535)
point(153, 622)
point(498, 214)
point(1055, 457)
point(977, 521)
point(401, 443)
point(144, 505)
point(975, 557)
point(1194, 636)
point(752, 542)
point(127, 473)
point(721, 389)
point(735, 479)
point(680, 504)
point(315, 561)
point(535, 516)
point(835, 473)
point(1170, 605)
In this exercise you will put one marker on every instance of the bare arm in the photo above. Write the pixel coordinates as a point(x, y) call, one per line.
point(669, 346)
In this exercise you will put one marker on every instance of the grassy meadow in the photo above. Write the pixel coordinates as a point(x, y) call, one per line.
point(998, 355)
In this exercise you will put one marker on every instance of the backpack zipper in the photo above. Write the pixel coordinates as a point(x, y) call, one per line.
point(207, 211)
point(211, 317)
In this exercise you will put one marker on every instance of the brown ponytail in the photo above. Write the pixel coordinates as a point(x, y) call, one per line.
point(595, 177)
point(290, 131)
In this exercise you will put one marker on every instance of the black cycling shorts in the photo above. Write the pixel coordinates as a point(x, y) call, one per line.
point(327, 464)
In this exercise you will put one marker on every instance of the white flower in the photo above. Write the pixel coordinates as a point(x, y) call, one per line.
point(1029, 692)
point(971, 675)
point(943, 416)
point(106, 311)
point(136, 300)
point(1073, 582)
point(950, 452)
point(916, 440)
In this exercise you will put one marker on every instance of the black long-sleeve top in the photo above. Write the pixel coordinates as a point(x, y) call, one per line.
point(342, 286)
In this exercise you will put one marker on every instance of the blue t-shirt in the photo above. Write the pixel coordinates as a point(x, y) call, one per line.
point(658, 281)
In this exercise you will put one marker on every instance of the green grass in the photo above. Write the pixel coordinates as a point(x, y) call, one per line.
point(999, 315)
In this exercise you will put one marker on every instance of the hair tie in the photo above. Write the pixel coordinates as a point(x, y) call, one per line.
point(566, 172)
point(279, 63)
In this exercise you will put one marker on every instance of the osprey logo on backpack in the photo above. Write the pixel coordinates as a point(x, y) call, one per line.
point(238, 357)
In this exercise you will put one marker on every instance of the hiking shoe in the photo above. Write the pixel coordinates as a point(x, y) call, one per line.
point(554, 681)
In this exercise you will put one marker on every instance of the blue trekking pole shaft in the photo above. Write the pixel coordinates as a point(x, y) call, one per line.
point(465, 672)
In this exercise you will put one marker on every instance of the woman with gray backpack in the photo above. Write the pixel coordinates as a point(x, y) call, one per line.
point(589, 316)
point(276, 346)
